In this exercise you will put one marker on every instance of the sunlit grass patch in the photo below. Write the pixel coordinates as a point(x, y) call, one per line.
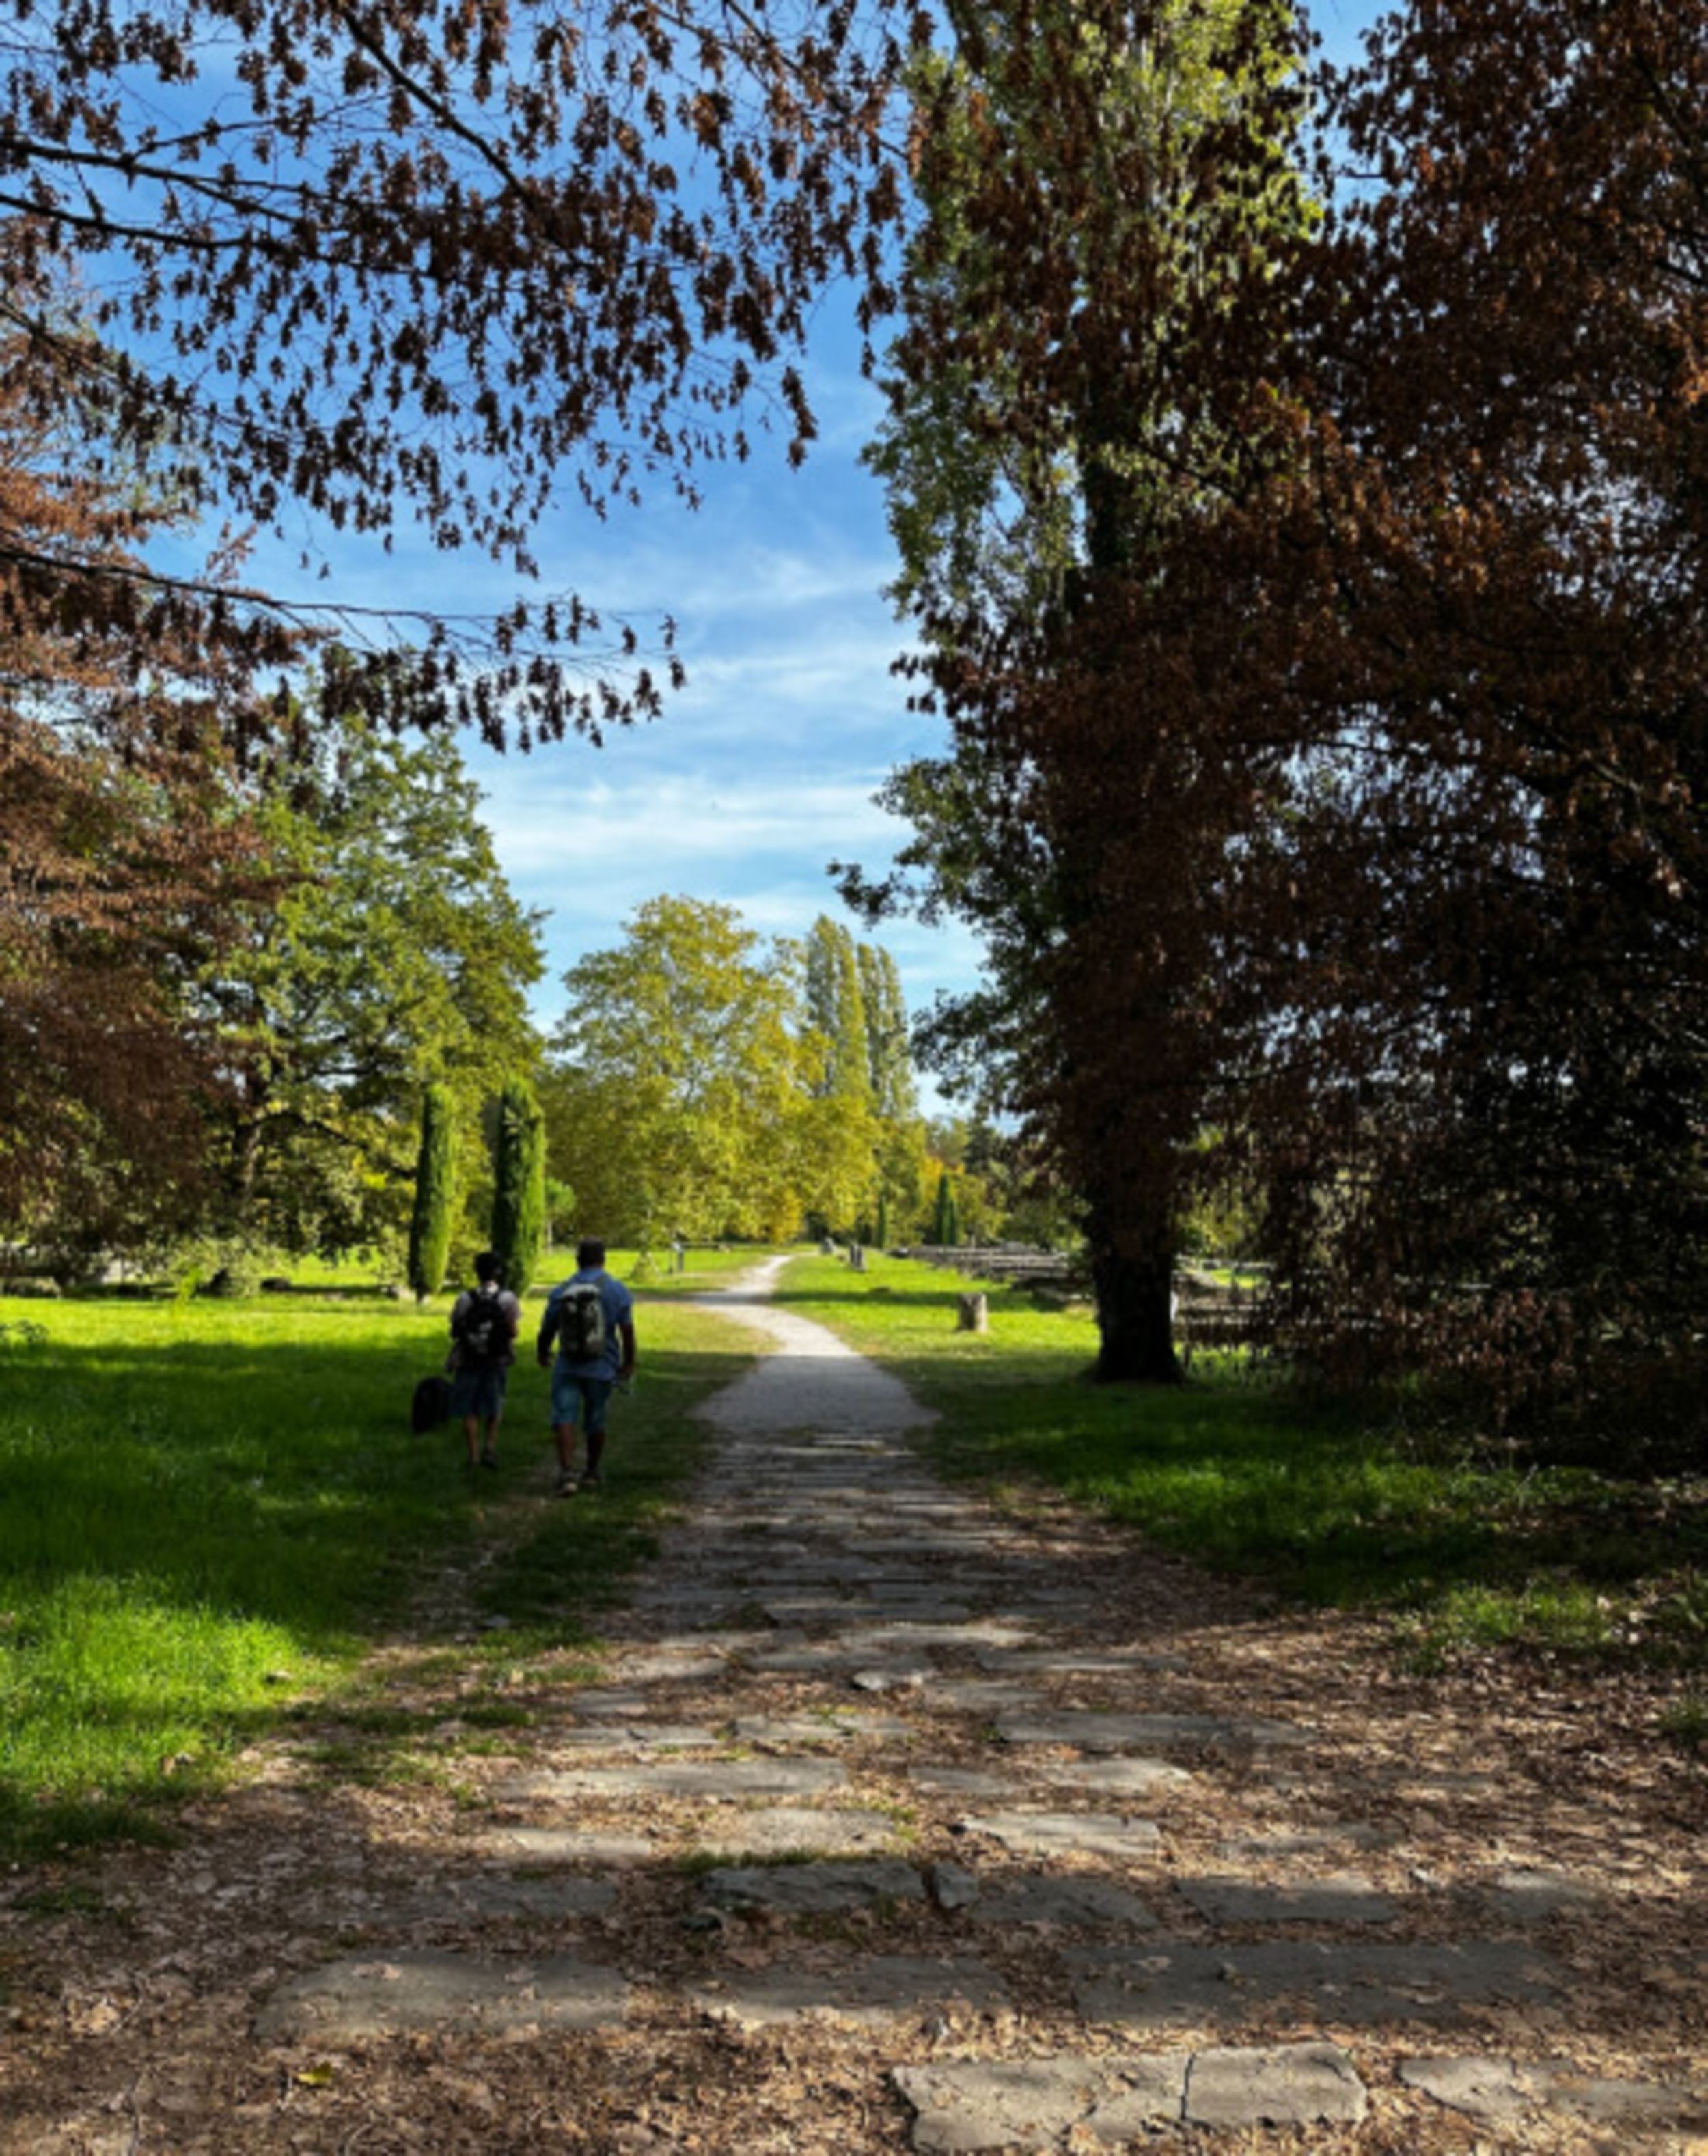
point(210, 1511)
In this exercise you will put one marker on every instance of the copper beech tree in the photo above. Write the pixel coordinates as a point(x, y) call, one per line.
point(121, 856)
point(445, 261)
point(1329, 784)
point(1482, 1113)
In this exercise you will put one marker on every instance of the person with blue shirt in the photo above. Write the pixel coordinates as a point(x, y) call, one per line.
point(587, 1340)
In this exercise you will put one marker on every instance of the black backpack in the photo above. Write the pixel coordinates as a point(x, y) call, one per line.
point(483, 1332)
point(430, 1405)
point(581, 1332)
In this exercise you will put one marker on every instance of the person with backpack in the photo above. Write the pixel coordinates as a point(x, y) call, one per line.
point(587, 1340)
point(485, 1322)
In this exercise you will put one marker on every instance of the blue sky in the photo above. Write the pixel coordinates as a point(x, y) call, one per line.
point(762, 770)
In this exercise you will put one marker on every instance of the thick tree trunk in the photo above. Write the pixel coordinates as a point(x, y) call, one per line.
point(1132, 1277)
point(1134, 1318)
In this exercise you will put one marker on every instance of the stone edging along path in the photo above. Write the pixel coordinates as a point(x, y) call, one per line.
point(900, 1822)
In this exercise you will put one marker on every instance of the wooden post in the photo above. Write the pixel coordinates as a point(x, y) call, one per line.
point(971, 1313)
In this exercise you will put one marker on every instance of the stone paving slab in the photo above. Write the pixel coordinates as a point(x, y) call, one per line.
point(963, 1782)
point(1087, 1731)
point(893, 1677)
point(1074, 1661)
point(830, 1658)
point(1117, 1777)
point(1347, 1898)
point(1068, 1904)
point(826, 1609)
point(826, 1887)
point(779, 1831)
point(452, 1901)
point(1035, 2104)
point(612, 1703)
point(840, 1725)
point(562, 1844)
point(923, 1606)
point(1530, 1898)
point(902, 1637)
point(878, 1992)
point(1495, 2091)
point(680, 1778)
point(1070, 1834)
point(1181, 1984)
point(403, 1994)
point(706, 1610)
point(667, 1667)
point(1304, 1841)
point(986, 1695)
point(1289, 2085)
point(659, 1736)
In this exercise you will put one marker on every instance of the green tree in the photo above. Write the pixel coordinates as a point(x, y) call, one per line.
point(519, 1183)
point(433, 1217)
point(393, 956)
point(675, 1079)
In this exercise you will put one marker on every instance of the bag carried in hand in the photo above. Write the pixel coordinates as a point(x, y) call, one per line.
point(483, 1332)
point(582, 1331)
point(430, 1405)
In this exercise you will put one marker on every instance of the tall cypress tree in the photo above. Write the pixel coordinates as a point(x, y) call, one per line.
point(883, 1227)
point(430, 1222)
point(946, 1230)
point(519, 1184)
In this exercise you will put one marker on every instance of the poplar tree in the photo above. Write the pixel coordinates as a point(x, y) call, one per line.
point(946, 1230)
point(836, 1008)
point(431, 1221)
point(519, 1184)
point(889, 1060)
point(1104, 184)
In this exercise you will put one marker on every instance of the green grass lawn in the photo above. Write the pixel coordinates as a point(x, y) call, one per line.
point(1241, 1474)
point(209, 1510)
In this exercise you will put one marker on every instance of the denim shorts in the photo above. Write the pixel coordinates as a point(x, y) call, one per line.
point(478, 1391)
point(581, 1400)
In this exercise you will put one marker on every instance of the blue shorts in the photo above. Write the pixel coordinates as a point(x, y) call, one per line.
point(581, 1400)
point(479, 1390)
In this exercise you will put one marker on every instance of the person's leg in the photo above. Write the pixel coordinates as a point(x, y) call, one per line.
point(492, 1407)
point(471, 1435)
point(598, 1392)
point(566, 1411)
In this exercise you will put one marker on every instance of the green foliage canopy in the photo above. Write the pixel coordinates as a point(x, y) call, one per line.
point(396, 958)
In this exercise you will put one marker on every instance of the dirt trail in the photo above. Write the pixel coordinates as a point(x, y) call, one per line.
point(898, 1822)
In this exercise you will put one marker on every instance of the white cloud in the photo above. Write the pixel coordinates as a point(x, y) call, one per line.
point(630, 826)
